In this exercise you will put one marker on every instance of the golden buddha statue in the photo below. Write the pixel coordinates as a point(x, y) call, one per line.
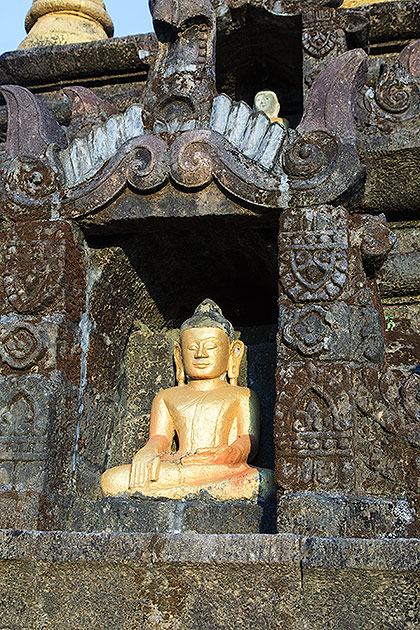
point(216, 423)
point(267, 102)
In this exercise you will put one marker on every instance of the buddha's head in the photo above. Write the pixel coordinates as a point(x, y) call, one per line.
point(207, 349)
point(267, 102)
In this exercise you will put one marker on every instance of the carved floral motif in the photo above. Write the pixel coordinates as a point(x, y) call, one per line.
point(308, 331)
point(313, 265)
point(319, 36)
point(318, 44)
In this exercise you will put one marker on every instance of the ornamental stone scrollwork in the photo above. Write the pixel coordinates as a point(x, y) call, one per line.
point(314, 430)
point(313, 262)
point(141, 163)
point(21, 345)
point(309, 331)
point(394, 102)
point(397, 92)
point(251, 158)
point(310, 154)
point(31, 177)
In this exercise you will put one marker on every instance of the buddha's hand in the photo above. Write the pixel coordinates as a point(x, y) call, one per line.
point(228, 455)
point(144, 467)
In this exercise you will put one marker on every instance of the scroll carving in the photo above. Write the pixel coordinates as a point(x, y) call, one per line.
point(270, 169)
point(141, 162)
point(198, 156)
point(311, 154)
point(21, 345)
point(394, 102)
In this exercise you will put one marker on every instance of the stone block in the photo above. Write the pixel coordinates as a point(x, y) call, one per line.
point(20, 510)
point(202, 516)
point(315, 332)
point(313, 433)
point(345, 517)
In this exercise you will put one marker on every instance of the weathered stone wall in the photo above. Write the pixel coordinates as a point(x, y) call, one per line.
point(186, 582)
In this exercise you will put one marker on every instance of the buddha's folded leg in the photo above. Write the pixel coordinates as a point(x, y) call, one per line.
point(115, 480)
point(176, 480)
point(174, 474)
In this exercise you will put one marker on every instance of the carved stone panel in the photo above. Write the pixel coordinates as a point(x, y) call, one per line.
point(314, 429)
point(25, 416)
point(21, 345)
point(315, 331)
point(42, 268)
point(323, 39)
point(313, 254)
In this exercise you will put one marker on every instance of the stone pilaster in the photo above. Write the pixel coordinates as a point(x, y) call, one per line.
point(42, 302)
point(330, 338)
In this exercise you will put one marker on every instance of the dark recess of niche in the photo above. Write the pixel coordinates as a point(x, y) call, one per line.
point(235, 267)
point(262, 52)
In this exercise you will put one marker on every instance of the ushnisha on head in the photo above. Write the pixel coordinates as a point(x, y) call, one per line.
point(208, 349)
point(267, 102)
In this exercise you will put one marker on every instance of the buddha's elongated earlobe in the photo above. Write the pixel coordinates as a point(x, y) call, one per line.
point(179, 366)
point(237, 349)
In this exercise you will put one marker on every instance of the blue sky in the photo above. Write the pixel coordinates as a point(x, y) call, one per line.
point(129, 17)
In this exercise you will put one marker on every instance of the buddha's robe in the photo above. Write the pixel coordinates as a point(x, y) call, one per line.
point(201, 419)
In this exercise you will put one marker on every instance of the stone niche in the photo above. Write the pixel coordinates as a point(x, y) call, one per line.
point(136, 309)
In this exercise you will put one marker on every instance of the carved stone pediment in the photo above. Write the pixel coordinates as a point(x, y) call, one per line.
point(258, 162)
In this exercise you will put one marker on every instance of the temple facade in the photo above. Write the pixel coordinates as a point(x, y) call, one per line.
point(140, 176)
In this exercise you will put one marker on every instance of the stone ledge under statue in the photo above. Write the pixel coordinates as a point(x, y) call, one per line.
point(201, 514)
point(215, 421)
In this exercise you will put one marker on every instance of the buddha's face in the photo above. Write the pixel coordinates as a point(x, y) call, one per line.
point(205, 352)
point(266, 102)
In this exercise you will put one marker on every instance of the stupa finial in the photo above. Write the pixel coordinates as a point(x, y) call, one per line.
point(66, 22)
